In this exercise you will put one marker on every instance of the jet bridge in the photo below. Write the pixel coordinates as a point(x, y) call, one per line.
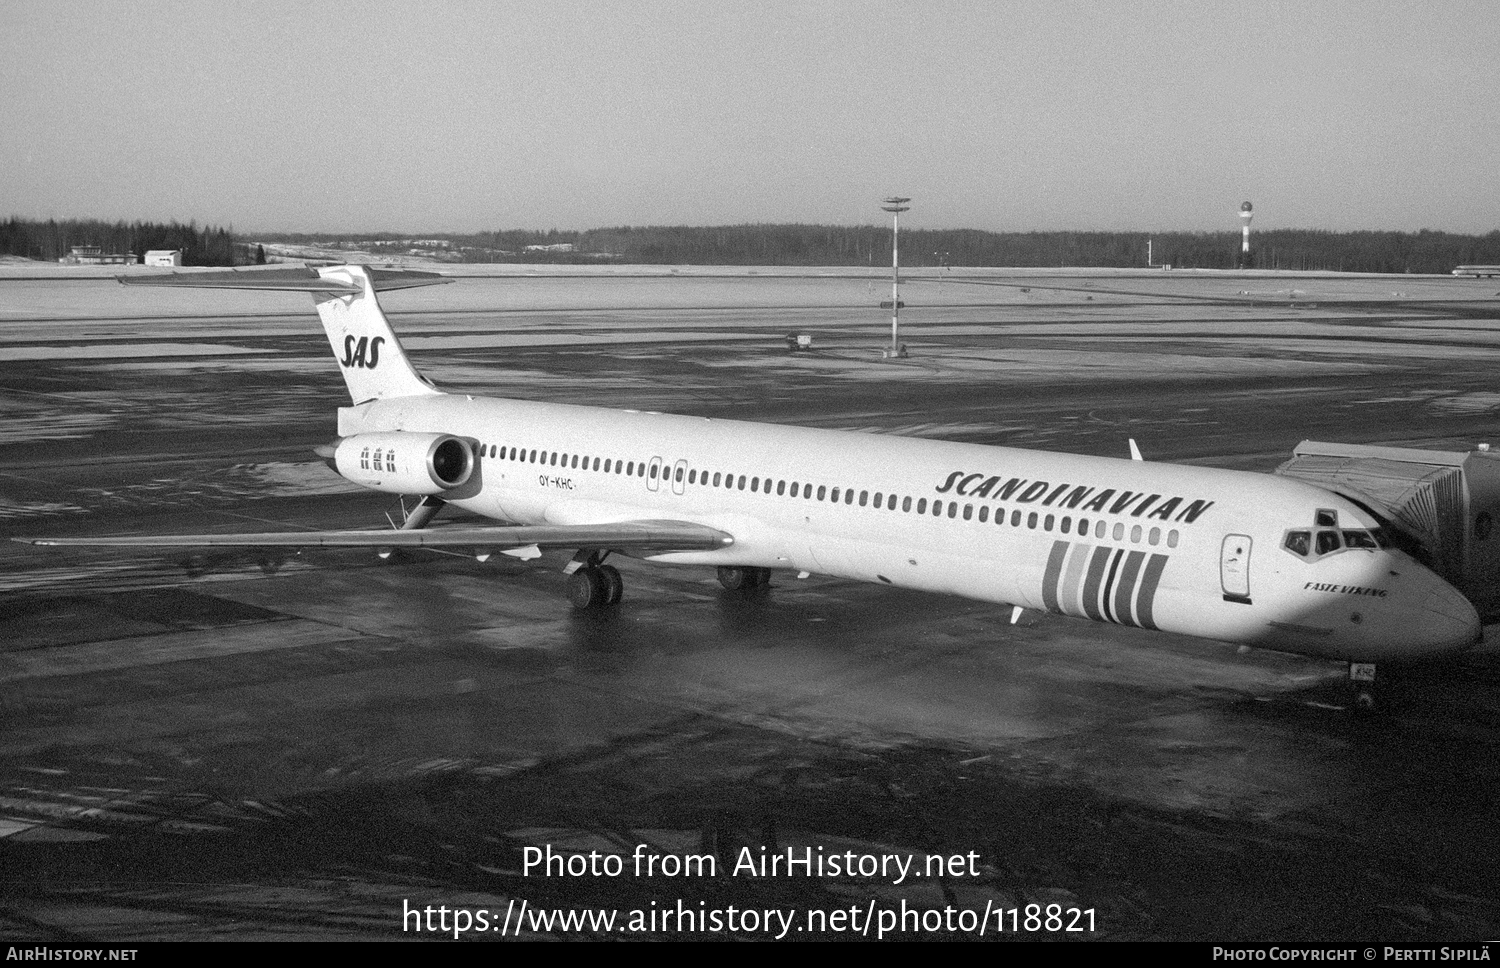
point(1443, 504)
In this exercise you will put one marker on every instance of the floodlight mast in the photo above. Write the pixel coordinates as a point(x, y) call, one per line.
point(895, 205)
point(1247, 212)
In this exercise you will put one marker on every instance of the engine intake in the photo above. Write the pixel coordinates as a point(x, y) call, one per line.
point(399, 462)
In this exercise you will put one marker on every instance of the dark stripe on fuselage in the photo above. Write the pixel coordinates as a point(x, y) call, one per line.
point(1091, 583)
point(1147, 597)
point(1126, 587)
point(1109, 584)
point(1054, 572)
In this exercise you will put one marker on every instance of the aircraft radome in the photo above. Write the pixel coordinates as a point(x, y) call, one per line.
point(1257, 559)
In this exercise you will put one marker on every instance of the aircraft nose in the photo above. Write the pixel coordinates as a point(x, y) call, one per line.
point(1448, 622)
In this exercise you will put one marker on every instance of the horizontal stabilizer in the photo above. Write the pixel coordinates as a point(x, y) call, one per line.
point(290, 279)
point(653, 536)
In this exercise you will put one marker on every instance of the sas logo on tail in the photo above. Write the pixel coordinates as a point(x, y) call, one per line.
point(363, 353)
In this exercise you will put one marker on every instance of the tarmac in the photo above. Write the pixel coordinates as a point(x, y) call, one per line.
point(252, 746)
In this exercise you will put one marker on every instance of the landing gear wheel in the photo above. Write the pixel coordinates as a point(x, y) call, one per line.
point(614, 585)
point(736, 579)
point(587, 589)
point(745, 578)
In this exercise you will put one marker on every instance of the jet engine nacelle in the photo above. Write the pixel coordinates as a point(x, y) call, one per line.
point(404, 463)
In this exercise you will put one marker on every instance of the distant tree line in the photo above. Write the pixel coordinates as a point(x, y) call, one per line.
point(870, 245)
point(807, 245)
point(53, 239)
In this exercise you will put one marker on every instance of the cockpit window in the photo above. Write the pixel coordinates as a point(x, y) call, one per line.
point(1360, 539)
point(1297, 542)
point(1326, 518)
point(1328, 542)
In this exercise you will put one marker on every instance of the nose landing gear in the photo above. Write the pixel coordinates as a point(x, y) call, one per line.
point(744, 579)
point(1363, 699)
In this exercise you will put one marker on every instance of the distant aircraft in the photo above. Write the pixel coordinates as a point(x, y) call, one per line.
point(1479, 272)
point(1262, 560)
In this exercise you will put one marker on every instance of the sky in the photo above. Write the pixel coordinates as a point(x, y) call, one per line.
point(421, 117)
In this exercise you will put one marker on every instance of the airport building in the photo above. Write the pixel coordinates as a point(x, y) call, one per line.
point(93, 255)
point(164, 257)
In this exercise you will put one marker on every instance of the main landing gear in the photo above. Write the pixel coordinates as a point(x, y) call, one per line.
point(595, 585)
point(1362, 687)
point(745, 579)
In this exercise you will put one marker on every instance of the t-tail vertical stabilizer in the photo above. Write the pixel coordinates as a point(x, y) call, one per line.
point(374, 364)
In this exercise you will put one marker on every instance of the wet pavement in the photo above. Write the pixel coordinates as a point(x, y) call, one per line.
point(256, 746)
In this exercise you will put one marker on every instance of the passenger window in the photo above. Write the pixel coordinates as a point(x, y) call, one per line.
point(596, 463)
point(863, 497)
point(968, 511)
point(1015, 519)
point(1359, 539)
point(849, 495)
point(693, 476)
point(795, 486)
point(781, 488)
point(742, 482)
point(984, 514)
point(1065, 525)
point(1031, 520)
point(906, 504)
point(1297, 542)
point(1083, 527)
point(1099, 529)
point(1119, 532)
point(922, 506)
point(1154, 536)
point(678, 477)
point(822, 490)
point(1172, 538)
point(1047, 523)
point(1135, 533)
point(754, 484)
point(879, 499)
point(937, 509)
point(716, 478)
point(1328, 542)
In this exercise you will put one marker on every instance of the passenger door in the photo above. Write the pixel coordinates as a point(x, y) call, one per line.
point(1234, 568)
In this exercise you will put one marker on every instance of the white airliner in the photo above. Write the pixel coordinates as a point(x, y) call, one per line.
point(1255, 559)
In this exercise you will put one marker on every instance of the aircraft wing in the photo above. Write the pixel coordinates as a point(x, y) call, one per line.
point(294, 279)
point(626, 536)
